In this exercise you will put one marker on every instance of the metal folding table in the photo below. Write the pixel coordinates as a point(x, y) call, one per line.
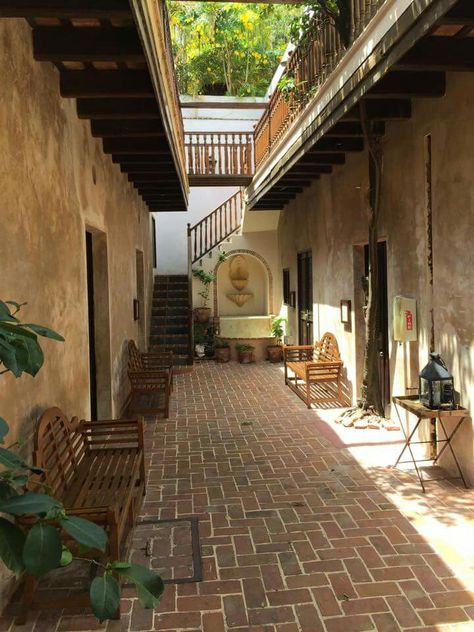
point(412, 404)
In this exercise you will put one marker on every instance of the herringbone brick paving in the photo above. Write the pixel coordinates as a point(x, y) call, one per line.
point(296, 536)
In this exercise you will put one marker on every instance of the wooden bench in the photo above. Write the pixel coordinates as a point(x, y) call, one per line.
point(311, 366)
point(97, 470)
point(151, 380)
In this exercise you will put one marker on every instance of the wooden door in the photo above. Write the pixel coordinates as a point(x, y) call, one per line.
point(305, 298)
point(382, 320)
point(91, 320)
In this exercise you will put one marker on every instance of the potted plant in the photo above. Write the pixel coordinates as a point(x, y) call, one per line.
point(245, 353)
point(199, 340)
point(203, 313)
point(221, 350)
point(275, 351)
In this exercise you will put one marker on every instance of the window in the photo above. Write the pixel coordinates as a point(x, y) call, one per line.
point(286, 287)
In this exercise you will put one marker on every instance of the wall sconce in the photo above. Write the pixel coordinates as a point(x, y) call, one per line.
point(136, 309)
point(345, 312)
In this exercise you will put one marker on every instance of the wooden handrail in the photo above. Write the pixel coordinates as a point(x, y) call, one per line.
point(219, 153)
point(190, 302)
point(308, 66)
point(213, 229)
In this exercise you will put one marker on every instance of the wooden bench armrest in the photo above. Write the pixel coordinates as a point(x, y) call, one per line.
point(154, 359)
point(112, 431)
point(297, 353)
point(298, 347)
point(149, 374)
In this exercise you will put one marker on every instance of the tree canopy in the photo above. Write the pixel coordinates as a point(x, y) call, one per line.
point(228, 48)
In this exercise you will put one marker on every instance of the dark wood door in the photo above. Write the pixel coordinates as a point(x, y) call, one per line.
point(305, 298)
point(91, 320)
point(382, 320)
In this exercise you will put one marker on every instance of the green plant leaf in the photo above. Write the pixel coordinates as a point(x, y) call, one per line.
point(4, 429)
point(149, 584)
point(6, 490)
point(44, 331)
point(120, 565)
point(29, 355)
point(43, 549)
point(104, 596)
point(29, 503)
point(66, 556)
point(85, 532)
point(11, 460)
point(12, 540)
point(8, 355)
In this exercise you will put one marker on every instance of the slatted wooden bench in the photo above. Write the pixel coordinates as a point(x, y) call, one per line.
point(151, 380)
point(307, 367)
point(97, 470)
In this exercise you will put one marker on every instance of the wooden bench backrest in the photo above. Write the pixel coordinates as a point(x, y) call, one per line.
point(59, 449)
point(134, 357)
point(326, 349)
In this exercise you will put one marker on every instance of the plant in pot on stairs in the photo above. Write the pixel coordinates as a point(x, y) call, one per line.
point(245, 353)
point(275, 351)
point(203, 313)
point(221, 350)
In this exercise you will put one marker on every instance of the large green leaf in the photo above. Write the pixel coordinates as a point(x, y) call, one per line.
point(44, 331)
point(29, 503)
point(43, 549)
point(149, 584)
point(105, 596)
point(85, 532)
point(29, 355)
point(4, 429)
point(5, 313)
point(16, 330)
point(8, 355)
point(11, 460)
point(12, 540)
point(66, 556)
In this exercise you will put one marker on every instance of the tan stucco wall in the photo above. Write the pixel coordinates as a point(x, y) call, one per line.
point(55, 181)
point(328, 218)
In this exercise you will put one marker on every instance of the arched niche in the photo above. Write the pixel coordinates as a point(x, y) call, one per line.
point(259, 284)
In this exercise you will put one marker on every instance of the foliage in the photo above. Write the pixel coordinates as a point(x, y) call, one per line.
point(206, 279)
point(278, 328)
point(242, 347)
point(337, 11)
point(204, 335)
point(228, 48)
point(219, 343)
point(37, 547)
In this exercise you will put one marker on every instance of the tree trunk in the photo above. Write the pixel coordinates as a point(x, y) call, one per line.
point(371, 392)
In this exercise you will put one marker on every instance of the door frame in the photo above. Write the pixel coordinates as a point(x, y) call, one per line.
point(304, 333)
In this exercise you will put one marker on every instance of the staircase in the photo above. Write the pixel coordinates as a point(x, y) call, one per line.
point(170, 319)
point(215, 228)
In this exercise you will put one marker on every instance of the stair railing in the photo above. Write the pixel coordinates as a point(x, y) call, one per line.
point(213, 229)
point(190, 303)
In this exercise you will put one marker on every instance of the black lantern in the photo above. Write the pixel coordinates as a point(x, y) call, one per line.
point(436, 384)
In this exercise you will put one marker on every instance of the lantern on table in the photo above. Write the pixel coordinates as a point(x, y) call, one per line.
point(436, 384)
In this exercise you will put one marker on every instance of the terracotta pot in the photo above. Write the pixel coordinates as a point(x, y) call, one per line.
point(203, 314)
point(222, 354)
point(245, 357)
point(275, 353)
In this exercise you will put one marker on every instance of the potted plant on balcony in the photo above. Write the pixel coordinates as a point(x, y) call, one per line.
point(275, 351)
point(221, 350)
point(245, 353)
point(203, 313)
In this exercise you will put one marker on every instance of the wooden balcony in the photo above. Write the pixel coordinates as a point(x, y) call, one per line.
point(309, 65)
point(219, 158)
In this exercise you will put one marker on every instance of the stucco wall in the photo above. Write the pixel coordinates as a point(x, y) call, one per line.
point(329, 219)
point(56, 182)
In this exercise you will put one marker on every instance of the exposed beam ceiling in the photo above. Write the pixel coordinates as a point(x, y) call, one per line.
point(106, 83)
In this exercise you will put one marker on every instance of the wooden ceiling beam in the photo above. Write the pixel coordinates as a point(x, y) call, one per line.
point(308, 170)
point(284, 190)
point(135, 145)
point(398, 83)
point(336, 144)
point(98, 9)
point(106, 83)
point(157, 161)
point(461, 13)
point(120, 128)
point(352, 129)
point(139, 108)
point(322, 159)
point(149, 178)
point(87, 44)
point(145, 169)
point(382, 110)
point(439, 53)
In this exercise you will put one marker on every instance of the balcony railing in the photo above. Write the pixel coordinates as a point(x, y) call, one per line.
point(220, 156)
point(311, 62)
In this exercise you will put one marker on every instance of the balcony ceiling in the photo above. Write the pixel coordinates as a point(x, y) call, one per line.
point(418, 73)
point(98, 51)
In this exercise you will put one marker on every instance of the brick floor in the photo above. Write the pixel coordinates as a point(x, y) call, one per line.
point(296, 535)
